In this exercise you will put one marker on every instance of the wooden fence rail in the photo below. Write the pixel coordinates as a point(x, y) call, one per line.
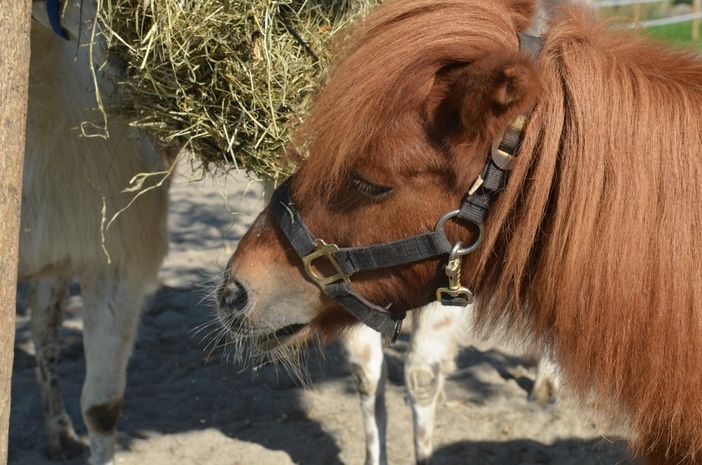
point(694, 16)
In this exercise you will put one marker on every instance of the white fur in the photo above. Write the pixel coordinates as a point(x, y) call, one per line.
point(67, 179)
point(66, 176)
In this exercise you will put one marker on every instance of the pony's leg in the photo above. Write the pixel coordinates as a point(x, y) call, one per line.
point(365, 351)
point(433, 347)
point(46, 302)
point(546, 383)
point(111, 308)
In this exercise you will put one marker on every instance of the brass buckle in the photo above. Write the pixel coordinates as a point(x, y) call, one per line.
point(476, 185)
point(502, 159)
point(327, 251)
point(519, 123)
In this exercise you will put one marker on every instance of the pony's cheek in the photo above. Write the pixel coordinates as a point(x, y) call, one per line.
point(264, 287)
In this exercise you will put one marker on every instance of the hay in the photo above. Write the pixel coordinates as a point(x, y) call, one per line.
point(230, 79)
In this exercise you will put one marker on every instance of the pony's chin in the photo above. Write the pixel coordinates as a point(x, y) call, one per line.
point(286, 336)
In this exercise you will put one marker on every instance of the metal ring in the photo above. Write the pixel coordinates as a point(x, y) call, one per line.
point(446, 217)
point(454, 251)
point(471, 247)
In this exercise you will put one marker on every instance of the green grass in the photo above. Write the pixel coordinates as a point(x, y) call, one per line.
point(678, 34)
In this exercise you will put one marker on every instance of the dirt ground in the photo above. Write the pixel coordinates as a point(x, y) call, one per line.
point(186, 407)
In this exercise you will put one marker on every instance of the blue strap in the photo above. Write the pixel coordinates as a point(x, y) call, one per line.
point(53, 10)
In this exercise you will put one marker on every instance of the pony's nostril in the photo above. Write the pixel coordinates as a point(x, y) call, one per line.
point(234, 297)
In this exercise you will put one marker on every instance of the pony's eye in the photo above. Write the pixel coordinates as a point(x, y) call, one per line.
point(367, 188)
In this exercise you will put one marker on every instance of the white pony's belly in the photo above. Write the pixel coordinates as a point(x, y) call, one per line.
point(67, 177)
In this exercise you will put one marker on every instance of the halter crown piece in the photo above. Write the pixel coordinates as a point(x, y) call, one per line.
point(347, 261)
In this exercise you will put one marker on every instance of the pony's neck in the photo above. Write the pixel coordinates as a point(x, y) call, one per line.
point(595, 245)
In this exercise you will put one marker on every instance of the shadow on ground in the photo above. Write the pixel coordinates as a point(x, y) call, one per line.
point(177, 387)
point(563, 452)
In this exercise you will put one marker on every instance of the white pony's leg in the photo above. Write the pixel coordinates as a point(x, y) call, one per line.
point(46, 302)
point(111, 309)
point(365, 350)
point(433, 349)
point(546, 383)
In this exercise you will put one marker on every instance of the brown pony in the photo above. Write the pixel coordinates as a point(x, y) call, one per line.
point(595, 248)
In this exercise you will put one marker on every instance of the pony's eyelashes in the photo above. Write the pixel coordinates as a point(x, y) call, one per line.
point(367, 188)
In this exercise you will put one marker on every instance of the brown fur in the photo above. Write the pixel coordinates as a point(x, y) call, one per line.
point(358, 102)
point(595, 248)
point(103, 418)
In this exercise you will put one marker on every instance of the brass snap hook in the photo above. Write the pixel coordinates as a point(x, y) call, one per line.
point(453, 271)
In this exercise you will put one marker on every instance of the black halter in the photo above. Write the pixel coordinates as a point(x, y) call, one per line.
point(348, 261)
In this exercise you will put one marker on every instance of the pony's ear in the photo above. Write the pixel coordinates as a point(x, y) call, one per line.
point(473, 103)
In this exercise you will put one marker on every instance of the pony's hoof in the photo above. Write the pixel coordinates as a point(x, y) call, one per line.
point(66, 446)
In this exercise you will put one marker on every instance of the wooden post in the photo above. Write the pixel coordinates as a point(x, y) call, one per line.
point(637, 13)
point(15, 17)
point(696, 21)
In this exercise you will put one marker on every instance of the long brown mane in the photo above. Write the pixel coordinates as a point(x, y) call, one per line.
point(597, 239)
point(596, 246)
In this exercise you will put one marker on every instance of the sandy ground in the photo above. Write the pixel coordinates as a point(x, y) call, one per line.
point(184, 406)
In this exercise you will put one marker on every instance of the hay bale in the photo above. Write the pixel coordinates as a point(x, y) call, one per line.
point(230, 79)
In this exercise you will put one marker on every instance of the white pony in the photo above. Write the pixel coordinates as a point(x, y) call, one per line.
point(72, 186)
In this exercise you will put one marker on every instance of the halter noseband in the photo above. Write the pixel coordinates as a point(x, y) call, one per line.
point(351, 260)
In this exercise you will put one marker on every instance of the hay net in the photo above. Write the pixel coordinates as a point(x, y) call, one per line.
point(229, 79)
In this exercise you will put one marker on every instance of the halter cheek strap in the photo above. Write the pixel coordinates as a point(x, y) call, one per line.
point(347, 261)
point(493, 179)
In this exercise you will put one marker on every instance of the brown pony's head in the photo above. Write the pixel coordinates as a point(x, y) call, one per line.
point(394, 141)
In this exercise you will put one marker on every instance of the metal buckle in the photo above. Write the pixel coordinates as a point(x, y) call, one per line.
point(518, 123)
point(453, 272)
point(327, 251)
point(476, 185)
point(502, 159)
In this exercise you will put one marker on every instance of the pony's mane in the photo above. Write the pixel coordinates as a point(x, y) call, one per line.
point(359, 102)
point(596, 244)
point(595, 247)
